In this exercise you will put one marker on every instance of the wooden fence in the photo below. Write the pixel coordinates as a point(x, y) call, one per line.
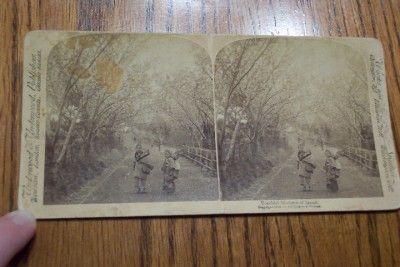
point(203, 157)
point(366, 158)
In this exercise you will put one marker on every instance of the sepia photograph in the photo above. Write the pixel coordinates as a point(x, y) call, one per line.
point(119, 124)
point(293, 121)
point(130, 118)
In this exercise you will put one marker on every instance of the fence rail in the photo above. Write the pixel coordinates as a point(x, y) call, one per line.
point(203, 157)
point(364, 157)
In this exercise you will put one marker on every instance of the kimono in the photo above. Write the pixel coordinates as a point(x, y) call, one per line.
point(167, 167)
point(142, 169)
point(332, 168)
point(305, 169)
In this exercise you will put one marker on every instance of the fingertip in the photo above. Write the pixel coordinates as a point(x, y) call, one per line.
point(22, 218)
point(16, 230)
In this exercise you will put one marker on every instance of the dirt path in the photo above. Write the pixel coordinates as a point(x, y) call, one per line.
point(116, 185)
point(283, 181)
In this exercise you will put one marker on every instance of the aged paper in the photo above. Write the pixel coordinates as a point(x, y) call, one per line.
point(153, 124)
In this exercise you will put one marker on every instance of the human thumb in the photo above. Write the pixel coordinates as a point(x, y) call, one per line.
point(16, 229)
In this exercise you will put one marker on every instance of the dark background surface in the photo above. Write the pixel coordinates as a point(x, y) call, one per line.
point(343, 239)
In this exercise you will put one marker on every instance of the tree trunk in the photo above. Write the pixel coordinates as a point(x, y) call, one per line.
point(88, 144)
point(232, 143)
point(254, 145)
point(65, 144)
